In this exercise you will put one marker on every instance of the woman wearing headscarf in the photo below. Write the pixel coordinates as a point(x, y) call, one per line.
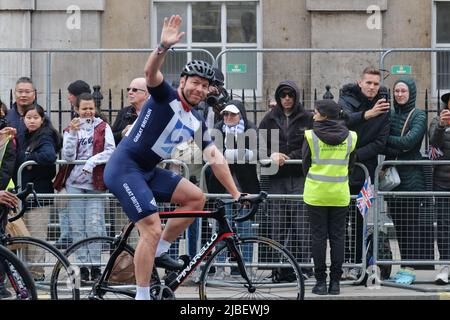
point(405, 211)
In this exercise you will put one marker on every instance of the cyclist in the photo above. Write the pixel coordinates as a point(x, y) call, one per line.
point(132, 175)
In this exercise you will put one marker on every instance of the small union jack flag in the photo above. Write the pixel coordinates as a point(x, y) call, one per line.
point(365, 198)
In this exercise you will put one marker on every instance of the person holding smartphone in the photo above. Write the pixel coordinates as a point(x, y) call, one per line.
point(440, 138)
point(87, 138)
point(367, 105)
point(414, 231)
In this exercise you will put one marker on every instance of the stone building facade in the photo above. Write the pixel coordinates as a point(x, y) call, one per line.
point(301, 24)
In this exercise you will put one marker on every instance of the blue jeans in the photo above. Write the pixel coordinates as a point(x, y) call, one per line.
point(64, 224)
point(87, 218)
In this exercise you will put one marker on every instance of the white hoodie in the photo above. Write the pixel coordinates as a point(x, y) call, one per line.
point(78, 145)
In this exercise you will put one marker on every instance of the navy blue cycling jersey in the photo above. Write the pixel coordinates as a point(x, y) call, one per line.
point(162, 124)
point(131, 173)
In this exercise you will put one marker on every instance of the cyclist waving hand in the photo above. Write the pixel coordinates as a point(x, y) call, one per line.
point(132, 175)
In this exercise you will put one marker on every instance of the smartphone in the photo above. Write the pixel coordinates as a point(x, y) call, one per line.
point(384, 96)
point(445, 111)
point(85, 121)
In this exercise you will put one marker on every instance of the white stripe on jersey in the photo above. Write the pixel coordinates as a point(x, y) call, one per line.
point(179, 129)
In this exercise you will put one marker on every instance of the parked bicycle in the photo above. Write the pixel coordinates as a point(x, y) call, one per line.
point(13, 272)
point(52, 273)
point(226, 274)
point(16, 277)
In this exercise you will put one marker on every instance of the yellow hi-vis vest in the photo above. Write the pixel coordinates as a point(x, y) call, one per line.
point(2, 153)
point(327, 180)
point(10, 185)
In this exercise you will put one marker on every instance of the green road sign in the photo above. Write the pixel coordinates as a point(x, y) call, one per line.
point(236, 68)
point(401, 69)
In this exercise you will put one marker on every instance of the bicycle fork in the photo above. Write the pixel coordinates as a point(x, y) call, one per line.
point(8, 270)
point(236, 254)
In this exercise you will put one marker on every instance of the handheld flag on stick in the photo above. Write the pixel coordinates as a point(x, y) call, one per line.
point(365, 198)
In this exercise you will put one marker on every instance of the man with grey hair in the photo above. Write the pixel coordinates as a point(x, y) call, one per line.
point(24, 94)
point(137, 95)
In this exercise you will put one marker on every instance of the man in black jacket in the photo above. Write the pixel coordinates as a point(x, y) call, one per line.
point(25, 95)
point(289, 219)
point(137, 95)
point(367, 104)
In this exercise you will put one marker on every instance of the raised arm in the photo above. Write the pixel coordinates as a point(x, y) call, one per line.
point(170, 35)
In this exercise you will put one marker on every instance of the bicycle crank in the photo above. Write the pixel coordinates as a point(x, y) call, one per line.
point(161, 292)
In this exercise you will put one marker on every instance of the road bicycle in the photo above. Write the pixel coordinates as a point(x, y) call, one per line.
point(232, 267)
point(15, 277)
point(49, 268)
point(13, 272)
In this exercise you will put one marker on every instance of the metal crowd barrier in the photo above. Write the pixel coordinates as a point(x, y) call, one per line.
point(45, 222)
point(291, 208)
point(418, 229)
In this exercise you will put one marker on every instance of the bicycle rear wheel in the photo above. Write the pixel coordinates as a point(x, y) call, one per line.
point(90, 257)
point(265, 261)
point(17, 283)
point(42, 259)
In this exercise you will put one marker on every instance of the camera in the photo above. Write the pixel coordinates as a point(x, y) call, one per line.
point(218, 100)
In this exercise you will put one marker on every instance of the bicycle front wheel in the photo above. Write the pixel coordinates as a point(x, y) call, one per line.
point(42, 259)
point(16, 281)
point(272, 270)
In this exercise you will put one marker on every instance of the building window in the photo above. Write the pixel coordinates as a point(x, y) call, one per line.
point(442, 36)
point(214, 26)
point(206, 21)
point(241, 23)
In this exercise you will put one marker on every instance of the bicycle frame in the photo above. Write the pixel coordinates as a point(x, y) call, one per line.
point(225, 232)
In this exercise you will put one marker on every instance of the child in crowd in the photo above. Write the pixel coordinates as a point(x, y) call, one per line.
point(41, 144)
point(87, 138)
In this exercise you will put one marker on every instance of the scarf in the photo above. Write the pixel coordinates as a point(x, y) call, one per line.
point(238, 128)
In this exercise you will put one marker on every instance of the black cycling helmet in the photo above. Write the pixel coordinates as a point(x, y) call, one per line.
point(199, 68)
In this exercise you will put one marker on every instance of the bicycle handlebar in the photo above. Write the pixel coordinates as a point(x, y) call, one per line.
point(253, 201)
point(22, 197)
